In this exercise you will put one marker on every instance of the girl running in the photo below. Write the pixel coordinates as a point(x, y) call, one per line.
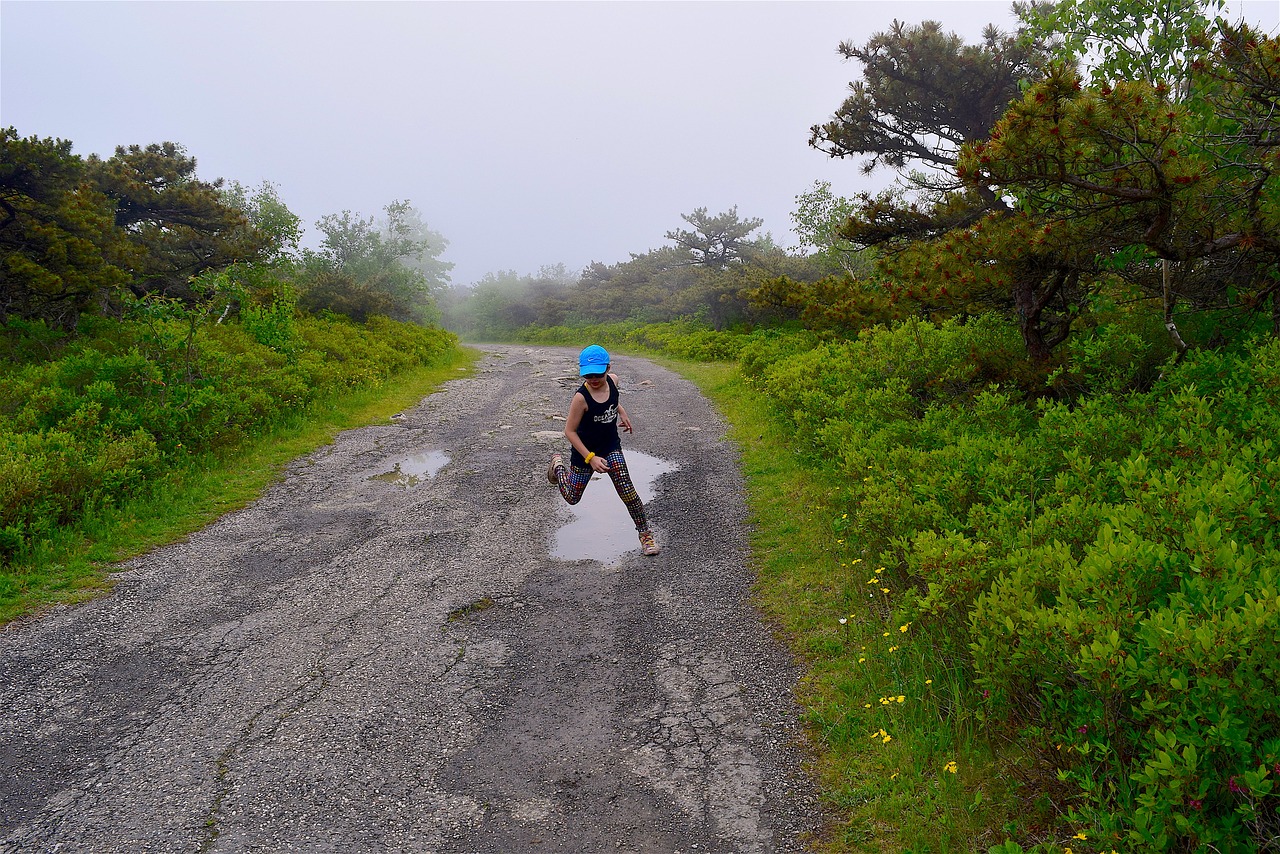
point(592, 429)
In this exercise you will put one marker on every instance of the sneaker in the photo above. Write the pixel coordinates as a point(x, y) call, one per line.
point(556, 462)
point(647, 545)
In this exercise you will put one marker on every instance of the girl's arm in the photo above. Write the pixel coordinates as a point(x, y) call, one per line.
point(624, 421)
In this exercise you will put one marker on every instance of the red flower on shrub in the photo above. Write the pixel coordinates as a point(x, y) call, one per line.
point(1194, 803)
point(1235, 787)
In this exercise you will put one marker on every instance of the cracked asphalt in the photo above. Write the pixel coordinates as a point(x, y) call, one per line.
point(352, 665)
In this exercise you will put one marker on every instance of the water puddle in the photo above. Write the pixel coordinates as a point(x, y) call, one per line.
point(601, 528)
point(413, 470)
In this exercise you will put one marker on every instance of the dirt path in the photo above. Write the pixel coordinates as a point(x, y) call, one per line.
point(351, 665)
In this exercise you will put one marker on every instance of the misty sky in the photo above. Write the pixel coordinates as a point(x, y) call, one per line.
point(526, 133)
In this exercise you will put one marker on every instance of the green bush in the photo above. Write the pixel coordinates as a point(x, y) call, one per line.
point(1101, 573)
point(681, 339)
point(1152, 650)
point(273, 325)
point(96, 418)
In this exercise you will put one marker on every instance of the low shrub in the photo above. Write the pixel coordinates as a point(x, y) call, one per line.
point(93, 419)
point(1099, 573)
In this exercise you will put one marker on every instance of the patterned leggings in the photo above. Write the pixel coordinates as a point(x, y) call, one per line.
point(573, 481)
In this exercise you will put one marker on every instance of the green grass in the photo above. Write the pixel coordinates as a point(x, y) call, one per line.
point(895, 795)
point(76, 563)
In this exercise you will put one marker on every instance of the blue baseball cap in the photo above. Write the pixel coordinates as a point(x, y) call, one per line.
point(593, 360)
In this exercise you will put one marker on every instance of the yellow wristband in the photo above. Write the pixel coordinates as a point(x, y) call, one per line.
point(589, 457)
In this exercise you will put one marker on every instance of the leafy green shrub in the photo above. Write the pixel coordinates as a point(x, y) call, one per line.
point(681, 339)
point(687, 340)
point(272, 325)
point(1101, 573)
point(102, 416)
point(767, 347)
point(1151, 651)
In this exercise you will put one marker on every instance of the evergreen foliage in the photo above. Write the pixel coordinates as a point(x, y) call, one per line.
point(149, 319)
point(170, 225)
point(57, 234)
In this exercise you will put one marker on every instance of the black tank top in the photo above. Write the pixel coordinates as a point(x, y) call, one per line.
point(598, 429)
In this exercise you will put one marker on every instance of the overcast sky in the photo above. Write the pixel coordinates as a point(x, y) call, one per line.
point(528, 134)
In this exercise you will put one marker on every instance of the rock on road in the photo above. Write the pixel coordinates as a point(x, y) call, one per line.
point(351, 665)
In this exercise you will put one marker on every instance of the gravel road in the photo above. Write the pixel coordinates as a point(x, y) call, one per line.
point(352, 664)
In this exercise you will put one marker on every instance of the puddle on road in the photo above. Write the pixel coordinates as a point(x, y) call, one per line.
point(413, 470)
point(602, 528)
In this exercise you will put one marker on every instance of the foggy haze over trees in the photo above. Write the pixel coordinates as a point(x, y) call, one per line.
point(367, 267)
point(704, 275)
point(939, 242)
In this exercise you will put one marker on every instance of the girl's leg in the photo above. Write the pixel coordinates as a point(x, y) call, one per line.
point(572, 482)
point(626, 489)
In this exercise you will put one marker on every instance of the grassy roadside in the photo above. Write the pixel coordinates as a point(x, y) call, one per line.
point(76, 563)
point(898, 771)
point(791, 545)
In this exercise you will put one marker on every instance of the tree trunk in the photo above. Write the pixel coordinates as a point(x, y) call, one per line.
point(1169, 301)
point(1029, 311)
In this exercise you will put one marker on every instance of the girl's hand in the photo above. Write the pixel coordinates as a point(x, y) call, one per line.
point(624, 422)
point(599, 464)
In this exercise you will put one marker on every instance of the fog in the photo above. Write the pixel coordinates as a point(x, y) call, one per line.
point(528, 134)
